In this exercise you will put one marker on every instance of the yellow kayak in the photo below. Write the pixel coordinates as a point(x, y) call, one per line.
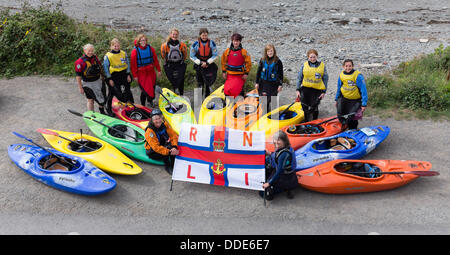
point(273, 121)
point(98, 152)
point(214, 108)
point(176, 117)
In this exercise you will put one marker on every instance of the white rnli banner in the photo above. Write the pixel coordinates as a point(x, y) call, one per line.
point(220, 156)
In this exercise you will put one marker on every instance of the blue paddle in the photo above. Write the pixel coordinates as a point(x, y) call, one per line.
point(31, 141)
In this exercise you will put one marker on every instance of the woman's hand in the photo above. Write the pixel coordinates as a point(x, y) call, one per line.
point(280, 88)
point(321, 96)
point(266, 185)
point(129, 78)
point(257, 86)
point(245, 76)
point(111, 83)
point(363, 108)
point(298, 93)
point(159, 75)
point(224, 75)
point(81, 90)
point(173, 151)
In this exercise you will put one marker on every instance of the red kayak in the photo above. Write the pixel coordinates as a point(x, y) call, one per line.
point(135, 114)
point(344, 176)
point(301, 134)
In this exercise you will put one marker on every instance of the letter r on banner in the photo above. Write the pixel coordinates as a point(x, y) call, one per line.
point(192, 134)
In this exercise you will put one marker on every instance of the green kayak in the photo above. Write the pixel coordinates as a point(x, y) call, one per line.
point(125, 136)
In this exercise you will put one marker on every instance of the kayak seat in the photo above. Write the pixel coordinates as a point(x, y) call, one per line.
point(138, 114)
point(305, 129)
point(180, 108)
point(245, 109)
point(78, 148)
point(338, 148)
point(53, 163)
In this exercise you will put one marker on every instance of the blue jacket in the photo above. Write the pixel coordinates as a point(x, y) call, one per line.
point(285, 160)
point(361, 84)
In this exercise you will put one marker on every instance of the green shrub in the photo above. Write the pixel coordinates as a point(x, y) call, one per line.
point(420, 85)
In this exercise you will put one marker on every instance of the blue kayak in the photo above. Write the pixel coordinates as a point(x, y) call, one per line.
point(81, 177)
point(351, 144)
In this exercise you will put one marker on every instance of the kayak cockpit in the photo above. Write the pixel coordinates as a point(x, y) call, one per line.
point(137, 114)
point(52, 163)
point(335, 144)
point(284, 116)
point(305, 129)
point(216, 103)
point(125, 132)
point(365, 170)
point(84, 145)
point(179, 108)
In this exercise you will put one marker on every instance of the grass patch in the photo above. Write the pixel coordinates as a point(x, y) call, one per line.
point(418, 88)
point(45, 41)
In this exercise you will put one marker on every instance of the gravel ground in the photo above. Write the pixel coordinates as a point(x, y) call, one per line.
point(383, 33)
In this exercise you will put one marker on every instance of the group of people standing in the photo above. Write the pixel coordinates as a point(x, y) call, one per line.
point(118, 71)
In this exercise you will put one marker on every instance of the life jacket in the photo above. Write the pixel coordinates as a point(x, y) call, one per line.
point(204, 50)
point(117, 61)
point(174, 54)
point(312, 76)
point(291, 161)
point(144, 56)
point(235, 61)
point(269, 71)
point(349, 89)
point(93, 70)
point(161, 135)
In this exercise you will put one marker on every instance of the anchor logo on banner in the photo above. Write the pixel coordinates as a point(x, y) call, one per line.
point(218, 167)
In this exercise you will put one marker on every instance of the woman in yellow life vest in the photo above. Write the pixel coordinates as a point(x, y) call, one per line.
point(351, 95)
point(312, 85)
point(117, 70)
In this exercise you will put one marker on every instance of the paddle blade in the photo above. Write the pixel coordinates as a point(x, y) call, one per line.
point(423, 173)
point(75, 113)
point(46, 132)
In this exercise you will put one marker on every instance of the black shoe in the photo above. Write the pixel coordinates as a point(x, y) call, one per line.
point(289, 194)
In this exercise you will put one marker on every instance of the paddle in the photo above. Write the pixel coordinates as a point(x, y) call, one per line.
point(420, 173)
point(96, 121)
point(159, 90)
point(285, 110)
point(49, 132)
point(328, 120)
point(31, 141)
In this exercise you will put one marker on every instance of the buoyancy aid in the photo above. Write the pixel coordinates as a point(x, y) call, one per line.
point(174, 54)
point(291, 161)
point(93, 70)
point(117, 61)
point(161, 135)
point(269, 71)
point(312, 76)
point(349, 89)
point(144, 56)
point(204, 50)
point(236, 60)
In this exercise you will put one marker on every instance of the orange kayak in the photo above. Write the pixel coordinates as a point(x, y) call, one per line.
point(244, 113)
point(301, 134)
point(344, 176)
point(135, 114)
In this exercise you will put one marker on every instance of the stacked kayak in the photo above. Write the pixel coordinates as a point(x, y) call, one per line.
point(214, 108)
point(345, 176)
point(282, 116)
point(351, 144)
point(71, 173)
point(98, 152)
point(126, 137)
point(176, 110)
point(244, 113)
point(135, 114)
point(301, 134)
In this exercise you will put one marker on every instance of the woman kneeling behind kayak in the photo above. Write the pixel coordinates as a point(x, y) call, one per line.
point(161, 140)
point(281, 169)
